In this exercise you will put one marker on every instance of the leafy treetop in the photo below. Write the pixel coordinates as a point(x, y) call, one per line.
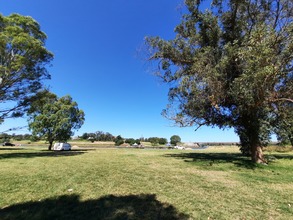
point(230, 66)
point(23, 60)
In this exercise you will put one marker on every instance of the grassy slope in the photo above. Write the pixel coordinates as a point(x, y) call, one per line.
point(143, 184)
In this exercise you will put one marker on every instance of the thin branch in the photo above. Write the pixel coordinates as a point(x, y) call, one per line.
point(282, 100)
point(200, 125)
point(277, 14)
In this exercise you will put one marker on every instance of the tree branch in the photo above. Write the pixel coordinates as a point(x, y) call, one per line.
point(282, 100)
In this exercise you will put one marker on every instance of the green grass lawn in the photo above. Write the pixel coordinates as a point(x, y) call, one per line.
point(216, 183)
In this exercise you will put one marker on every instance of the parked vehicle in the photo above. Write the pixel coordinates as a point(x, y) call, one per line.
point(8, 144)
point(179, 147)
point(62, 146)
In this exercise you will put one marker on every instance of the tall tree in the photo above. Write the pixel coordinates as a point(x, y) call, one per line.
point(229, 66)
point(23, 58)
point(54, 118)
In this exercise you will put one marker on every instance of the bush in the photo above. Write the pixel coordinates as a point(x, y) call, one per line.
point(163, 141)
point(118, 140)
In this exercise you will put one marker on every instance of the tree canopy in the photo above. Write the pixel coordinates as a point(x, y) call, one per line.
point(23, 60)
point(54, 118)
point(175, 139)
point(230, 66)
point(283, 123)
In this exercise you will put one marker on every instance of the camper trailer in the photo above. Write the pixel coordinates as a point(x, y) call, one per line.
point(62, 146)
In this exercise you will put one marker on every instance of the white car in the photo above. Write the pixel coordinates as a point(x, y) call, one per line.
point(62, 146)
point(179, 148)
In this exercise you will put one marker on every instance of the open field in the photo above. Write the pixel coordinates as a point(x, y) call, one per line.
point(216, 183)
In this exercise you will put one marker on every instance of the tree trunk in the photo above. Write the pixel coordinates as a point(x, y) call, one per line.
point(291, 141)
point(50, 145)
point(252, 130)
point(257, 155)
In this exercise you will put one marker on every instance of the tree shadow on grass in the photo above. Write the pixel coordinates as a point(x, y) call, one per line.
point(10, 148)
point(211, 159)
point(41, 154)
point(237, 159)
point(281, 156)
point(144, 206)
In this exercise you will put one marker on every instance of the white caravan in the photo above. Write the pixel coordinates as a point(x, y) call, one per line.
point(62, 146)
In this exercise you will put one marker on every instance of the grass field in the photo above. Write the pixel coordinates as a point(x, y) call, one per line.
point(216, 183)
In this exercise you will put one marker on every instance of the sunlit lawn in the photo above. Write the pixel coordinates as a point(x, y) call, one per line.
point(143, 184)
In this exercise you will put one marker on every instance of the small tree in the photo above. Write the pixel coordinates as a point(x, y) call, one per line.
point(84, 136)
point(54, 118)
point(118, 140)
point(154, 140)
point(175, 139)
point(130, 141)
point(163, 141)
point(5, 137)
point(104, 136)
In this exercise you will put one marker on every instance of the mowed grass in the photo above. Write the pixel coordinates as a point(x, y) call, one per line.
point(216, 183)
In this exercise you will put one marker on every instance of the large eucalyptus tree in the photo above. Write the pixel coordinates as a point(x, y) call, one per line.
point(23, 60)
point(230, 66)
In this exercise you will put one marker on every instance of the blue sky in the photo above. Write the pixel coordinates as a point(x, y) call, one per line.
point(99, 61)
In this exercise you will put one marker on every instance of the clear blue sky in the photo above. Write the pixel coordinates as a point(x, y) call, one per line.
point(98, 61)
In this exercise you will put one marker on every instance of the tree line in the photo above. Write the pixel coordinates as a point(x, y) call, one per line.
point(106, 136)
point(4, 137)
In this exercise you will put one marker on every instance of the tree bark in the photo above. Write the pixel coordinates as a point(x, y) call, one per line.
point(291, 141)
point(257, 155)
point(50, 145)
point(252, 129)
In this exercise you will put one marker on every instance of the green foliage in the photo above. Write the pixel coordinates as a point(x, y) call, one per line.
point(118, 140)
point(98, 136)
point(89, 136)
point(132, 141)
point(175, 139)
point(5, 137)
point(34, 138)
point(156, 141)
point(54, 118)
point(23, 58)
point(85, 136)
point(283, 122)
point(103, 136)
point(229, 66)
point(163, 141)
